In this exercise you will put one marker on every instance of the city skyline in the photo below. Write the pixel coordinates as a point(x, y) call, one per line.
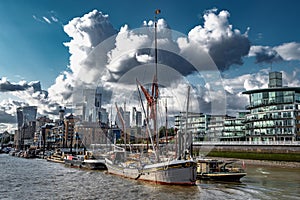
point(47, 51)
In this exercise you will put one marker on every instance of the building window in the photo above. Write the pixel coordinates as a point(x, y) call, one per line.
point(297, 97)
point(288, 96)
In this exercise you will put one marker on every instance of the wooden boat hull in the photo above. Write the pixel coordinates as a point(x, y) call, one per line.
point(173, 173)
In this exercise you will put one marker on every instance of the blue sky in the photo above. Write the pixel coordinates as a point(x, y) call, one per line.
point(32, 38)
point(28, 45)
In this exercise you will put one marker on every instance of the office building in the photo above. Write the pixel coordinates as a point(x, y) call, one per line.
point(274, 112)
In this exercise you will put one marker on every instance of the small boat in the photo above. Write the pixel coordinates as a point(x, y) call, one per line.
point(219, 170)
point(74, 161)
point(92, 162)
point(57, 157)
point(85, 161)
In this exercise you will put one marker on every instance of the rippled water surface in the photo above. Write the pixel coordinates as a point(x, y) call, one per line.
point(38, 179)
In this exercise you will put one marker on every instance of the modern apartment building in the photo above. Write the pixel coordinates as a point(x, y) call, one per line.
point(274, 112)
point(234, 128)
point(197, 123)
point(215, 127)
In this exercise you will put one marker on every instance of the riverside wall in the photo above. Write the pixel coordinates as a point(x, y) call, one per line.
point(248, 148)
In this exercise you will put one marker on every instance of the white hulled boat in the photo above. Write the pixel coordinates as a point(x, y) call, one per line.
point(174, 172)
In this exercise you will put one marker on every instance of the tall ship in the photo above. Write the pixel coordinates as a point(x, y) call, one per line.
point(153, 166)
point(173, 172)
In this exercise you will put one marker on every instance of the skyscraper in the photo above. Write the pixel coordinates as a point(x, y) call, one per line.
point(26, 119)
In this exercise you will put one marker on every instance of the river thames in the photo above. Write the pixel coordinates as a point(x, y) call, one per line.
point(39, 179)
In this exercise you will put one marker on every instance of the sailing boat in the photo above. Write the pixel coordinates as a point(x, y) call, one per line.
point(153, 167)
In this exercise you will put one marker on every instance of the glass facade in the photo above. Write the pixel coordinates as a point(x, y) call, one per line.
point(272, 97)
point(233, 129)
point(273, 114)
point(197, 124)
point(297, 97)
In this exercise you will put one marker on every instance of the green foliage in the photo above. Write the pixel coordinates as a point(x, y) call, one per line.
point(162, 131)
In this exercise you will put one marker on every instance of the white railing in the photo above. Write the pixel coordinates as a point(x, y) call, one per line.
point(294, 143)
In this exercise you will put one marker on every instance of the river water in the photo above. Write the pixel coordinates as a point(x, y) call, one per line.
point(38, 179)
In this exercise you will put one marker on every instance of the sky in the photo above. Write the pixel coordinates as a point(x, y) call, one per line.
point(51, 50)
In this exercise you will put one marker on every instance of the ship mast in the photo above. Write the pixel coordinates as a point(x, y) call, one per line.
point(153, 97)
point(186, 119)
point(155, 82)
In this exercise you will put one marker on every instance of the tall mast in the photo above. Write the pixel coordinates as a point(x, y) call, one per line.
point(147, 124)
point(166, 135)
point(186, 118)
point(155, 81)
point(157, 11)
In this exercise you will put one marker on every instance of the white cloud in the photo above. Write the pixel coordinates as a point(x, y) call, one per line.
point(46, 20)
point(285, 52)
point(289, 51)
point(54, 19)
point(264, 54)
point(225, 45)
point(102, 56)
point(98, 57)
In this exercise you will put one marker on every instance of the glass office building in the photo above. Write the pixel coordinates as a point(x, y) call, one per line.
point(274, 112)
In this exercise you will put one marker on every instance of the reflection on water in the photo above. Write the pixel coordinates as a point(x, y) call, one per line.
point(39, 179)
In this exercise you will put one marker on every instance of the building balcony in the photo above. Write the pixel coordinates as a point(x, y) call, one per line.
point(268, 126)
point(251, 106)
point(266, 118)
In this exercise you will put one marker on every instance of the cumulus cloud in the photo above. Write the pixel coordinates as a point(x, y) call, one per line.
point(285, 52)
point(86, 32)
point(111, 59)
point(226, 46)
point(101, 55)
point(289, 51)
point(8, 114)
point(7, 110)
point(25, 94)
point(6, 86)
point(265, 54)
